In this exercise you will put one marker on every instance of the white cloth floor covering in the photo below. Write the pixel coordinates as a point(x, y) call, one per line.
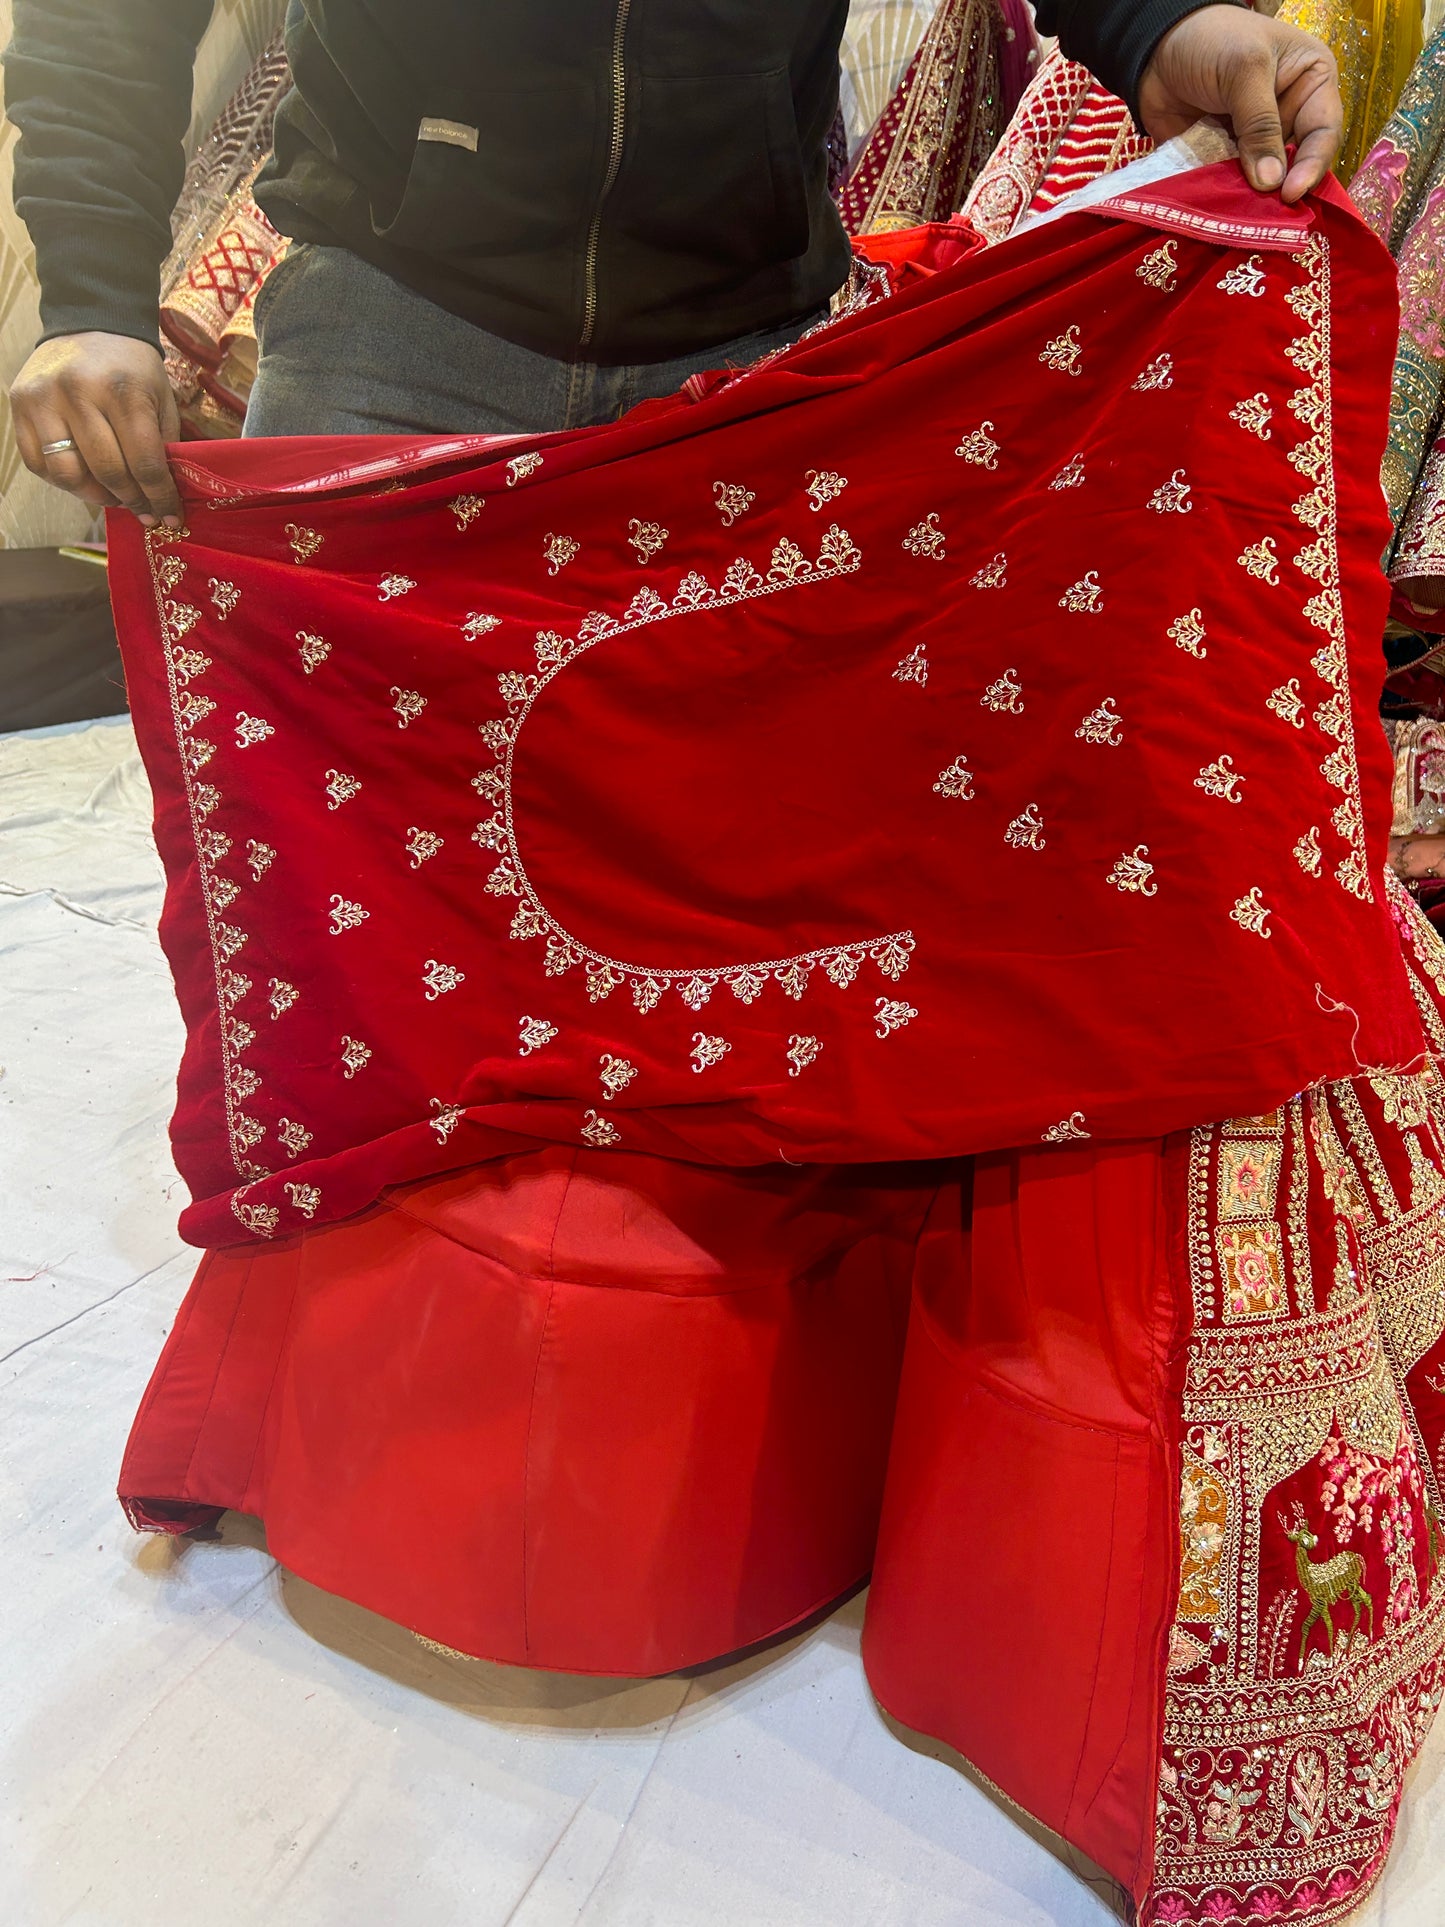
point(189, 1734)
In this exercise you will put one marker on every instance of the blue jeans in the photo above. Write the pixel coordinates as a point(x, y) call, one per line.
point(346, 350)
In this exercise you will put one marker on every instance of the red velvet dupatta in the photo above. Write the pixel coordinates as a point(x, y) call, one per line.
point(956, 733)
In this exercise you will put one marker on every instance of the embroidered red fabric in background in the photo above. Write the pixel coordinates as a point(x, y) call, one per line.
point(942, 738)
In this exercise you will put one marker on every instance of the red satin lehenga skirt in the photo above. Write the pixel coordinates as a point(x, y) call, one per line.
point(1142, 1445)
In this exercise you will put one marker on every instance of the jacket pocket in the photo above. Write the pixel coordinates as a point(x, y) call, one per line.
point(524, 187)
point(715, 170)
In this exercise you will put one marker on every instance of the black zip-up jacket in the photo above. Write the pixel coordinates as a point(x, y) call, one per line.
point(603, 180)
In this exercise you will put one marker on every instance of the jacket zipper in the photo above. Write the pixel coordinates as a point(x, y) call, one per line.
point(614, 162)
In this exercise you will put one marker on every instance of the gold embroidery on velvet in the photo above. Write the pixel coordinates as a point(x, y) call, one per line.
point(355, 1056)
point(439, 978)
point(914, 667)
point(305, 1198)
point(600, 1131)
point(1103, 726)
point(534, 1033)
point(1004, 696)
point(313, 650)
point(1252, 914)
point(340, 788)
point(1260, 561)
point(979, 446)
point(926, 538)
point(993, 575)
point(1064, 353)
point(421, 845)
point(466, 508)
point(1026, 831)
point(346, 915)
point(891, 1015)
point(304, 542)
point(1085, 596)
point(1287, 703)
point(1172, 497)
point(1134, 873)
point(1307, 853)
point(224, 597)
point(1159, 374)
point(616, 1074)
point(956, 780)
point(788, 568)
point(282, 996)
point(1246, 277)
point(707, 1051)
point(1220, 778)
point(477, 625)
point(732, 500)
point(647, 538)
point(1187, 632)
point(1159, 269)
point(1071, 475)
point(802, 1051)
point(408, 706)
point(558, 551)
point(823, 486)
point(1248, 1177)
point(521, 466)
point(1203, 1524)
point(293, 1137)
point(1253, 415)
point(1068, 1130)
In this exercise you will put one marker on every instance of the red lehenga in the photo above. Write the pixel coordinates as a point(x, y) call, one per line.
point(588, 1292)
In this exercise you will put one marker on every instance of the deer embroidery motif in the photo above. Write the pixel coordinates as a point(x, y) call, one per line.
point(1326, 1583)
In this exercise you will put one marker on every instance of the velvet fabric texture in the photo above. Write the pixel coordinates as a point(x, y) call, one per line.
point(945, 736)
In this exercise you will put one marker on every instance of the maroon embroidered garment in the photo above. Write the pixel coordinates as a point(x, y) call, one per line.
point(942, 738)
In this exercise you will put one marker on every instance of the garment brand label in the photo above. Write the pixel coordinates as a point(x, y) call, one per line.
point(452, 133)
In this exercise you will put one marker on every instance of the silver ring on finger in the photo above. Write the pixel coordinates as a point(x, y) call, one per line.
point(57, 448)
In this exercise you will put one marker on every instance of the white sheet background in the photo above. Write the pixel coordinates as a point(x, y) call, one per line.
point(189, 1735)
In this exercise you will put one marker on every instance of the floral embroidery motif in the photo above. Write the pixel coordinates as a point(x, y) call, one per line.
point(534, 1033)
point(1005, 696)
point(225, 596)
point(355, 1056)
point(198, 752)
point(1221, 779)
point(448, 1117)
point(1287, 703)
point(891, 1015)
point(1260, 561)
point(281, 997)
point(1159, 269)
point(616, 1074)
point(1135, 873)
point(181, 618)
point(1071, 475)
point(340, 788)
point(1250, 913)
point(956, 780)
point(600, 1131)
point(1068, 1130)
point(1246, 277)
point(1252, 1263)
point(466, 508)
point(824, 486)
point(1187, 632)
point(1172, 497)
point(1248, 1177)
point(1307, 853)
point(1085, 597)
point(1254, 415)
point(421, 844)
point(1159, 374)
point(252, 729)
point(558, 551)
point(168, 572)
point(477, 626)
point(926, 538)
point(304, 542)
point(802, 1051)
point(223, 892)
point(1026, 832)
point(293, 1137)
point(979, 447)
point(913, 668)
point(993, 575)
point(647, 538)
point(521, 466)
point(313, 651)
point(259, 1219)
point(707, 1051)
point(392, 586)
point(1203, 1518)
point(439, 978)
point(1102, 725)
point(346, 915)
point(732, 500)
point(304, 1197)
point(408, 706)
point(1064, 353)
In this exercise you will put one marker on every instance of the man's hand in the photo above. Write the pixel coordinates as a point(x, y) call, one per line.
point(107, 395)
point(1272, 82)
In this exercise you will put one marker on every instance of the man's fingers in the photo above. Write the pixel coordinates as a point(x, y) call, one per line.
point(1314, 120)
point(142, 441)
point(1250, 103)
point(101, 452)
point(35, 429)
